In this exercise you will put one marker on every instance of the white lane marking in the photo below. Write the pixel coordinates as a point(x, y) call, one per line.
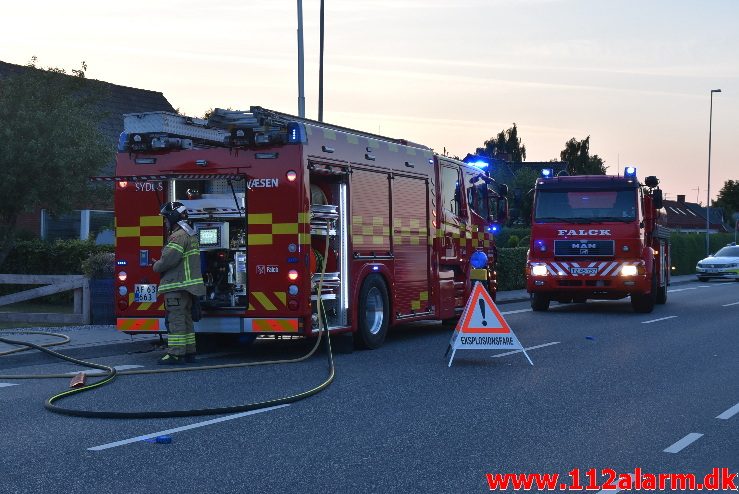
point(527, 349)
point(729, 305)
point(614, 491)
point(683, 443)
point(183, 428)
point(102, 373)
point(515, 311)
point(7, 385)
point(682, 289)
point(729, 413)
point(657, 320)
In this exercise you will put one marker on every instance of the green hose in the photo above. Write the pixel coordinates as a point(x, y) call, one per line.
point(111, 374)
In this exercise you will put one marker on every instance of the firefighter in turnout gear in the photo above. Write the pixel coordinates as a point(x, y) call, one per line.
point(181, 281)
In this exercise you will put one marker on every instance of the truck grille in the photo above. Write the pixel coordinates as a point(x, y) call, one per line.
point(583, 248)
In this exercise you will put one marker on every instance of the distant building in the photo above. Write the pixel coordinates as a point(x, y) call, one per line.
point(505, 171)
point(686, 216)
point(92, 220)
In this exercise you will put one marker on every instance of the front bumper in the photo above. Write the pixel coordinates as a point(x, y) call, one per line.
point(588, 279)
point(717, 274)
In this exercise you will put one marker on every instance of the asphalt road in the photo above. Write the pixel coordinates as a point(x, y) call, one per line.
point(609, 389)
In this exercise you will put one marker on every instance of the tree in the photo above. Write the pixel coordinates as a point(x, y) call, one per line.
point(518, 194)
point(50, 144)
point(506, 146)
point(579, 162)
point(728, 198)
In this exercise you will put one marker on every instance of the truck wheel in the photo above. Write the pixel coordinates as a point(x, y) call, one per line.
point(374, 313)
point(539, 302)
point(644, 302)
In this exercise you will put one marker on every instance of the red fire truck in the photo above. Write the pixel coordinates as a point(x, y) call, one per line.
point(597, 237)
point(265, 191)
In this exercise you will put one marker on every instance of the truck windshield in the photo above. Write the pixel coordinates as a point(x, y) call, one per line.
point(585, 206)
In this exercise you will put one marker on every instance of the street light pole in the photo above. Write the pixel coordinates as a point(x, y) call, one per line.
point(320, 72)
point(708, 200)
point(301, 75)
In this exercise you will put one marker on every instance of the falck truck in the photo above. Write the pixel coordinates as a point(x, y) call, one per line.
point(597, 237)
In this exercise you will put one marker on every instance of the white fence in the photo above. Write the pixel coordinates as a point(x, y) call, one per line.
point(54, 284)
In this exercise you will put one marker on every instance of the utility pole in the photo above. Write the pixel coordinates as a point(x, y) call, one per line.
point(301, 71)
point(320, 73)
point(708, 200)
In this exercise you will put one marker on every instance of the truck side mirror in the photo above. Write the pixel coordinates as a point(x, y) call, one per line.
point(657, 198)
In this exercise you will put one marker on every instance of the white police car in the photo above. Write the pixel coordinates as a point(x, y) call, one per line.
point(724, 264)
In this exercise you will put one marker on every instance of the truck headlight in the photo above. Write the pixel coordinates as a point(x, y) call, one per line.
point(629, 270)
point(538, 270)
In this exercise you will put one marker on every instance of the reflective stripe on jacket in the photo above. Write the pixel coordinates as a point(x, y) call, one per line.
point(180, 264)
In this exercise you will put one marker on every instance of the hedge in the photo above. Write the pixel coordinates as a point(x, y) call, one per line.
point(511, 268)
point(689, 248)
point(501, 239)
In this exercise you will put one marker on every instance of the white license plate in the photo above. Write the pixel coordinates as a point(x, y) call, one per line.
point(145, 293)
point(589, 271)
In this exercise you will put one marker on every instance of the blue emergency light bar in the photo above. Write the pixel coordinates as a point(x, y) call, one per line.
point(630, 171)
point(547, 173)
point(296, 133)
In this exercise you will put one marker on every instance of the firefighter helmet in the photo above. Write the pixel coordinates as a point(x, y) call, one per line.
point(173, 212)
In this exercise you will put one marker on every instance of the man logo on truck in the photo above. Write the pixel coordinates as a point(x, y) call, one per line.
point(584, 246)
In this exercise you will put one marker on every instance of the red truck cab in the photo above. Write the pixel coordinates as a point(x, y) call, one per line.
point(596, 237)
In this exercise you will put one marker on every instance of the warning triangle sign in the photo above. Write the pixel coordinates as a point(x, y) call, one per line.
point(483, 327)
point(481, 315)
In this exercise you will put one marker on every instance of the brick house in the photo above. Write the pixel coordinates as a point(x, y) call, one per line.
point(689, 217)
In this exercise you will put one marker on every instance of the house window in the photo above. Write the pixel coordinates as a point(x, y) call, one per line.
point(79, 224)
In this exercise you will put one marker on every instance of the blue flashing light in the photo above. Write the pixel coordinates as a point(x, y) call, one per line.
point(296, 133)
point(630, 171)
point(478, 164)
point(121, 262)
point(479, 259)
point(493, 229)
point(547, 172)
point(375, 268)
point(122, 141)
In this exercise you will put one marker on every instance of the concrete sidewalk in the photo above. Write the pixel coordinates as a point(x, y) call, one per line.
point(511, 296)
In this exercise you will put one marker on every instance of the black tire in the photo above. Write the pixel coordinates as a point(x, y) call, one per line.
point(373, 317)
point(702, 279)
point(539, 302)
point(644, 302)
point(662, 295)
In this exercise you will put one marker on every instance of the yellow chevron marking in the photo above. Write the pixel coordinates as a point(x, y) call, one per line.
point(262, 299)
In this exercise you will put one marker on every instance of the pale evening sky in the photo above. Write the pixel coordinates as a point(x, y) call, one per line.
point(635, 75)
